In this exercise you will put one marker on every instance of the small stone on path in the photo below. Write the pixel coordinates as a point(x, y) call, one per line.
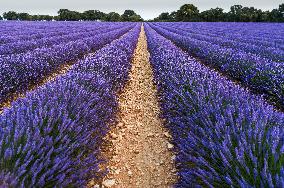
point(109, 182)
point(170, 146)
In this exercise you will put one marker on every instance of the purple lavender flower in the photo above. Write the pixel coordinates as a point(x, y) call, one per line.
point(224, 135)
point(52, 137)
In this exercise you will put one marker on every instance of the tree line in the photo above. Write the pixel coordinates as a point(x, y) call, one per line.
point(237, 13)
point(186, 13)
point(69, 15)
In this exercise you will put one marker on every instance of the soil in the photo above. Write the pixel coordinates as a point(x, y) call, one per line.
point(140, 153)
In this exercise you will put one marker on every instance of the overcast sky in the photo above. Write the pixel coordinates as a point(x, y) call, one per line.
point(146, 8)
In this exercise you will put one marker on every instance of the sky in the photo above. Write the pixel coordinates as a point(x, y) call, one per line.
point(146, 8)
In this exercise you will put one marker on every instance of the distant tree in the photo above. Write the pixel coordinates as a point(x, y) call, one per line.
point(89, 15)
point(257, 15)
point(187, 12)
point(164, 17)
point(42, 17)
point(131, 16)
point(235, 12)
point(135, 18)
point(75, 16)
point(34, 17)
point(1, 17)
point(65, 14)
point(24, 16)
point(92, 15)
point(56, 18)
point(281, 10)
point(100, 15)
point(47, 17)
point(250, 14)
point(11, 15)
point(113, 17)
point(239, 13)
point(265, 16)
point(126, 15)
point(213, 15)
point(173, 15)
point(277, 15)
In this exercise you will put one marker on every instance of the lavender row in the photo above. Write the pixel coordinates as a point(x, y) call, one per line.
point(5, 39)
point(254, 33)
point(24, 46)
point(264, 77)
point(223, 135)
point(20, 71)
point(264, 34)
point(263, 53)
point(12, 31)
point(52, 137)
point(268, 53)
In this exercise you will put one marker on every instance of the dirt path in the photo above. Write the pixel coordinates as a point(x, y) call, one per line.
point(141, 155)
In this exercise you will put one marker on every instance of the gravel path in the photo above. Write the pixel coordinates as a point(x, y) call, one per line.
point(140, 147)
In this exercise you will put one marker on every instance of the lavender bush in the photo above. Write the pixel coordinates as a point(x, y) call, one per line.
point(262, 75)
point(260, 34)
point(20, 71)
point(223, 135)
point(7, 180)
point(52, 137)
point(22, 46)
point(13, 31)
point(272, 52)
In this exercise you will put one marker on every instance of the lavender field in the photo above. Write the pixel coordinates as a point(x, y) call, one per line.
point(67, 89)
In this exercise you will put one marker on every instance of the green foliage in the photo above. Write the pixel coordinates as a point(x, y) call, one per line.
point(11, 15)
point(65, 14)
point(213, 15)
point(164, 17)
point(131, 16)
point(237, 13)
point(39, 18)
point(277, 15)
point(188, 13)
point(24, 16)
point(93, 15)
point(127, 14)
point(113, 17)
